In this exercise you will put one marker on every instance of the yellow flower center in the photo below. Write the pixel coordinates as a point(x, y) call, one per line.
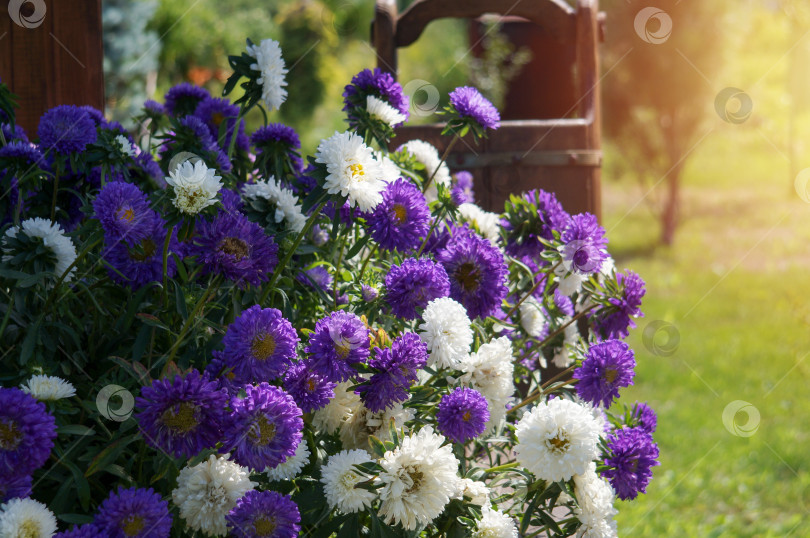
point(357, 171)
point(28, 529)
point(558, 444)
point(264, 526)
point(611, 374)
point(235, 247)
point(466, 416)
point(180, 418)
point(400, 213)
point(216, 118)
point(9, 436)
point(126, 214)
point(416, 480)
point(148, 249)
point(311, 385)
point(266, 432)
point(468, 276)
point(263, 346)
point(342, 350)
point(133, 525)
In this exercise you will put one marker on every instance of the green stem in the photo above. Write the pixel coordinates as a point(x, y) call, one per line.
point(337, 268)
point(169, 233)
point(538, 393)
point(365, 262)
point(9, 308)
point(504, 467)
point(52, 294)
point(562, 327)
point(283, 263)
point(187, 325)
point(520, 302)
point(441, 161)
point(55, 190)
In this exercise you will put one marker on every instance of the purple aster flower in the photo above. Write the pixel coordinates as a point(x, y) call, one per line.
point(317, 278)
point(377, 83)
point(614, 321)
point(477, 272)
point(22, 156)
point(95, 114)
point(124, 212)
point(438, 239)
point(27, 432)
point(134, 512)
point(608, 366)
point(584, 244)
point(462, 189)
point(259, 345)
point(138, 263)
point(395, 372)
point(277, 141)
point(153, 108)
point(469, 103)
point(14, 486)
point(643, 416)
point(632, 454)
point(233, 246)
point(563, 302)
point(340, 340)
point(537, 215)
point(182, 100)
point(215, 110)
point(402, 219)
point(217, 371)
point(66, 129)
point(462, 414)
point(182, 417)
point(264, 514)
point(310, 390)
point(319, 236)
point(413, 285)
point(150, 170)
point(369, 293)
point(82, 531)
point(231, 201)
point(13, 133)
point(264, 428)
point(202, 138)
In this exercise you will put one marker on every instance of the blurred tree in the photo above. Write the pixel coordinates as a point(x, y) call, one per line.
point(130, 55)
point(660, 88)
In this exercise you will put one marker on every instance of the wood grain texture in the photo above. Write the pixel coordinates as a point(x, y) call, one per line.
point(58, 62)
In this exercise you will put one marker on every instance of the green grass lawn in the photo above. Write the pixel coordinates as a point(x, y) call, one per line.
point(735, 287)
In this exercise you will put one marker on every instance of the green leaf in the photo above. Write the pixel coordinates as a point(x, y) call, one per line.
point(30, 342)
point(357, 247)
point(180, 300)
point(377, 446)
point(75, 429)
point(82, 486)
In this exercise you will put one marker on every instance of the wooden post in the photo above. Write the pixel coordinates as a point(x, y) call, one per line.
point(51, 54)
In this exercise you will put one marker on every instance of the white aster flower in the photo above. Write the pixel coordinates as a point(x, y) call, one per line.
point(594, 505)
point(195, 186)
point(54, 239)
point(562, 357)
point(532, 318)
point(447, 331)
point(352, 170)
point(490, 371)
point(329, 418)
point(428, 155)
point(291, 467)
point(557, 440)
point(126, 146)
point(489, 224)
point(340, 478)
point(390, 171)
point(607, 266)
point(476, 491)
point(418, 480)
point(47, 388)
point(287, 208)
point(206, 493)
point(362, 422)
point(270, 64)
point(26, 518)
point(495, 524)
point(569, 282)
point(379, 109)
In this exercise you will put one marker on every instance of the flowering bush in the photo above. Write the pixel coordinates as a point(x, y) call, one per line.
point(204, 336)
